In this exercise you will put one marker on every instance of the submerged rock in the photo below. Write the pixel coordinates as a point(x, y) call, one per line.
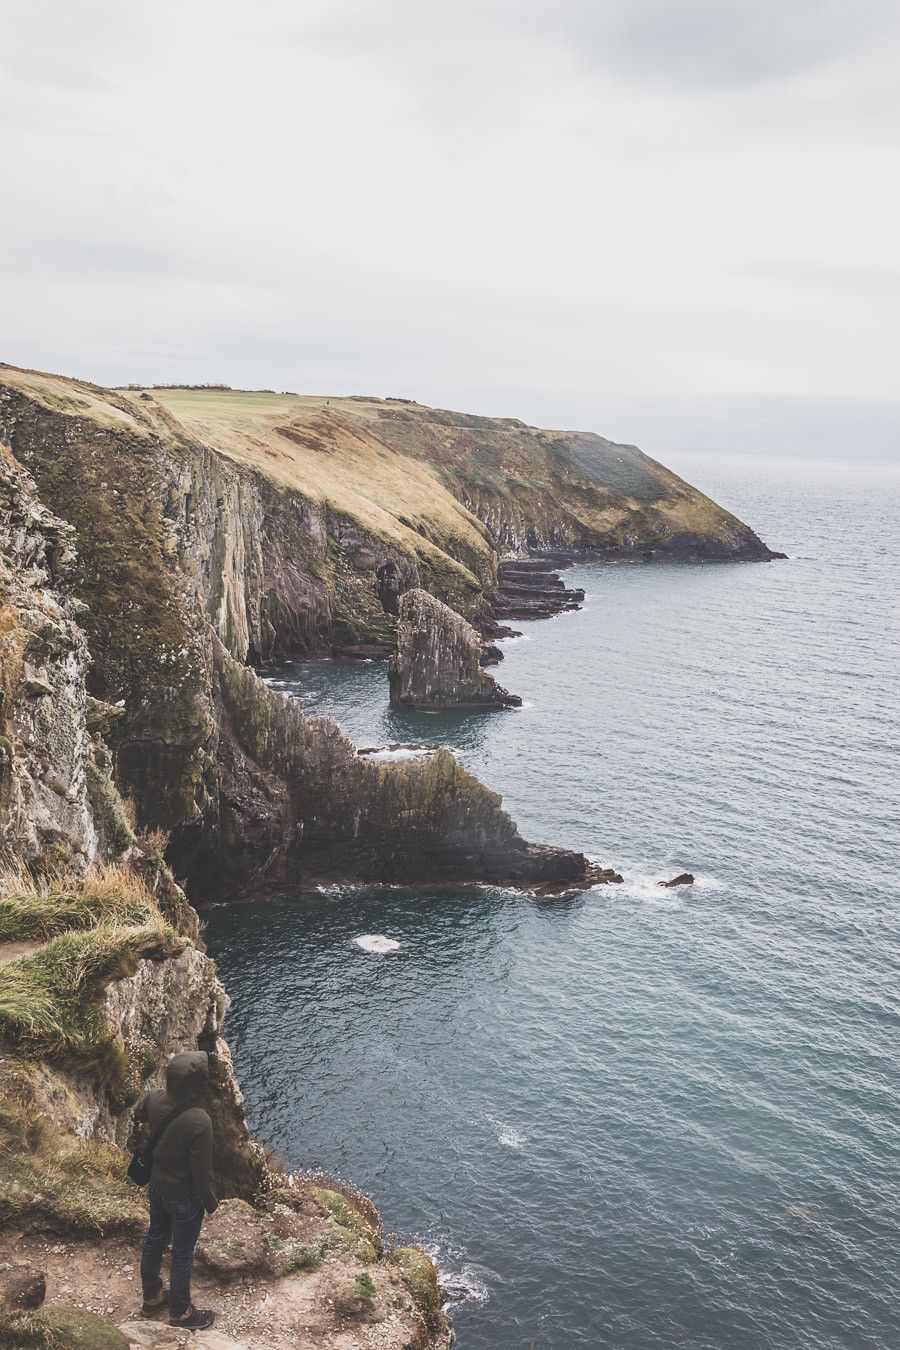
point(683, 879)
point(437, 663)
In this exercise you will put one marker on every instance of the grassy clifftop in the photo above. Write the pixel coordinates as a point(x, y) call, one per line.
point(466, 481)
point(446, 489)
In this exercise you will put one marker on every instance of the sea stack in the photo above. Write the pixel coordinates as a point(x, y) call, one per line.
point(437, 662)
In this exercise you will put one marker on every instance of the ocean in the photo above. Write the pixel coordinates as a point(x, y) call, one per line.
point(637, 1119)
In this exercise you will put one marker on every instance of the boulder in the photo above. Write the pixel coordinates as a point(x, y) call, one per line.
point(683, 879)
point(437, 663)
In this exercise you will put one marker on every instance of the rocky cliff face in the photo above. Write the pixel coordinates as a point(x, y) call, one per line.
point(46, 753)
point(190, 564)
point(102, 976)
point(437, 663)
point(565, 493)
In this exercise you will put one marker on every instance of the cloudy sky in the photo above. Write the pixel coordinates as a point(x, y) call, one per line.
point(675, 222)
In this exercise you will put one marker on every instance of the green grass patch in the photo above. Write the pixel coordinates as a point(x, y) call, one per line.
point(58, 1329)
point(420, 1277)
point(52, 1001)
point(341, 1211)
point(112, 823)
point(290, 1257)
point(41, 910)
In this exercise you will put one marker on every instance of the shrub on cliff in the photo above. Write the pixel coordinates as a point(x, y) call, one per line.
point(42, 909)
point(58, 1329)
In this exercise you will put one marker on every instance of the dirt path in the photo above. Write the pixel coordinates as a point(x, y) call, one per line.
point(296, 1312)
point(11, 951)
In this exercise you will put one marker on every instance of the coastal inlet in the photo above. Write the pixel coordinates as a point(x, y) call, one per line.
point(642, 1118)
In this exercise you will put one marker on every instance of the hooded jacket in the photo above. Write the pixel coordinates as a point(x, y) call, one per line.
point(182, 1159)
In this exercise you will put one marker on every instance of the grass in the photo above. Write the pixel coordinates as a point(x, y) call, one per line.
point(52, 1000)
point(317, 447)
point(414, 475)
point(52, 1008)
point(359, 1300)
point(58, 1329)
point(115, 828)
point(420, 1276)
point(66, 1184)
point(41, 909)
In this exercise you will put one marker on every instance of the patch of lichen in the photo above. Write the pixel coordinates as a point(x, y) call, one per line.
point(452, 582)
point(113, 826)
point(435, 798)
point(148, 650)
point(53, 1179)
point(357, 615)
point(102, 484)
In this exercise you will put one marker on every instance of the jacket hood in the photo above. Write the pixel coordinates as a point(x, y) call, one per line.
point(187, 1074)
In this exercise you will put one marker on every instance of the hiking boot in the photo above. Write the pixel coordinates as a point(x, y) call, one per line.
point(195, 1319)
point(150, 1307)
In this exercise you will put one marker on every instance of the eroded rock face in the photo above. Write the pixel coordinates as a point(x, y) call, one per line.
point(45, 747)
point(437, 663)
point(212, 565)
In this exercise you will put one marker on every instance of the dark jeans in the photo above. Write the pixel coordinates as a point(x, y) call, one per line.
point(180, 1220)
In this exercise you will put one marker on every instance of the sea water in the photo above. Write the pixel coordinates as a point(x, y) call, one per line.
point(637, 1118)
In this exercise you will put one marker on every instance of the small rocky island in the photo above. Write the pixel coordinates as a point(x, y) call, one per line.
point(438, 660)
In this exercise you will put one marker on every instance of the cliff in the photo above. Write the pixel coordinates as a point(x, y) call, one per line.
point(190, 564)
point(437, 663)
point(102, 978)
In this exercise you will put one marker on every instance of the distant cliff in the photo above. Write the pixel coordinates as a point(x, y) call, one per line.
point(189, 566)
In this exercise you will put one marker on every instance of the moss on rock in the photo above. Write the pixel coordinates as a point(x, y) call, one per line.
point(58, 1329)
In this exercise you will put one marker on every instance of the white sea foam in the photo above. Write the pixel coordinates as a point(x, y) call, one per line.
point(459, 1281)
point(506, 1135)
point(387, 756)
point(644, 886)
point(377, 944)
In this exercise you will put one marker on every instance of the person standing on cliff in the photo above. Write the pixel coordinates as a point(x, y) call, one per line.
point(182, 1188)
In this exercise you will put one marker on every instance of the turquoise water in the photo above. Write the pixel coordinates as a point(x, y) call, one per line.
point(635, 1119)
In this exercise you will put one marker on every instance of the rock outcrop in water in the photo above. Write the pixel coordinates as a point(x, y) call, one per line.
point(438, 660)
point(683, 879)
point(529, 588)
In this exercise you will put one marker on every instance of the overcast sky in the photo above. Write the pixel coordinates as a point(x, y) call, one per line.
point(675, 222)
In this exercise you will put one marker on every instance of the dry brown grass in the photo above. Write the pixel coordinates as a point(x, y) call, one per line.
point(333, 458)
